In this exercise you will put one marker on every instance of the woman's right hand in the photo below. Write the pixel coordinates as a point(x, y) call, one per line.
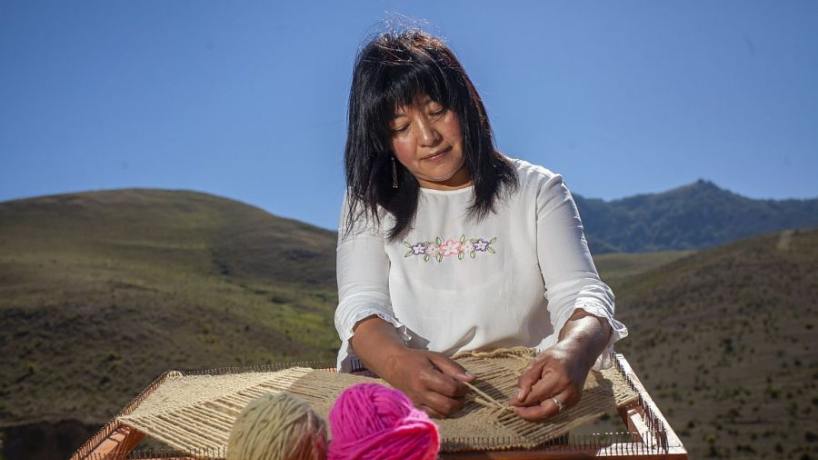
point(432, 381)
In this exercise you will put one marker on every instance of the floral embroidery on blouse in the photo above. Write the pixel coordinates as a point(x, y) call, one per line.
point(440, 248)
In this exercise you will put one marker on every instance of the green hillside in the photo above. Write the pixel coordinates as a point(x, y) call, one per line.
point(725, 342)
point(101, 292)
point(615, 267)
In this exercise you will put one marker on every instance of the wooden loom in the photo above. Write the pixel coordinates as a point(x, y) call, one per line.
point(648, 434)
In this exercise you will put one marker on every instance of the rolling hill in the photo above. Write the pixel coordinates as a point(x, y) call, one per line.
point(725, 342)
point(102, 291)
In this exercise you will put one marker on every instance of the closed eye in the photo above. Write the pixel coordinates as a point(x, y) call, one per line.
point(436, 109)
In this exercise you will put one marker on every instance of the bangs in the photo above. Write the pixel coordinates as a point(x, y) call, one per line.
point(402, 84)
point(398, 82)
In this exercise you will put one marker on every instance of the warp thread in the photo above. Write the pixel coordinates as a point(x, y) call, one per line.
point(278, 427)
point(372, 421)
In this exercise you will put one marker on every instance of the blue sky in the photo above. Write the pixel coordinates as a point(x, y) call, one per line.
point(247, 99)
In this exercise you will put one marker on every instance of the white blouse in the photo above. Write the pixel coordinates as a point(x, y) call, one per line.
point(454, 284)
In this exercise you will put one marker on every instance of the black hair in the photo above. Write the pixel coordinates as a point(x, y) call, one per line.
point(390, 71)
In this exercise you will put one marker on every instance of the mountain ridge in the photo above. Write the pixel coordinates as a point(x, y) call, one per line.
point(693, 216)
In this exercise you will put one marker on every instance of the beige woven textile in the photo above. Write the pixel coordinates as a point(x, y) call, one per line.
point(195, 413)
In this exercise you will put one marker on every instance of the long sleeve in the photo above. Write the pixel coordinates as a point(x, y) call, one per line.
point(363, 282)
point(571, 279)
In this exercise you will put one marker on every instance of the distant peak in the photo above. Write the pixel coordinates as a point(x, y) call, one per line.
point(705, 183)
point(702, 185)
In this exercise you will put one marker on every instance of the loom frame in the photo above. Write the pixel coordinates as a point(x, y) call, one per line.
point(649, 435)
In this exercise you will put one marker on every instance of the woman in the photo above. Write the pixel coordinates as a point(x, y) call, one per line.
point(446, 245)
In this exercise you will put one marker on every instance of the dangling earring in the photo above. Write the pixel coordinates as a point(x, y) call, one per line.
point(394, 173)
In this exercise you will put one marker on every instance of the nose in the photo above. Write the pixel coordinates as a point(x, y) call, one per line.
point(427, 133)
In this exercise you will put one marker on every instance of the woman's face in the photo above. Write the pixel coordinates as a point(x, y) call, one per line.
point(426, 139)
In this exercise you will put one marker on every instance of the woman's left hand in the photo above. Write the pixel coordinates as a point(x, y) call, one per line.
point(557, 373)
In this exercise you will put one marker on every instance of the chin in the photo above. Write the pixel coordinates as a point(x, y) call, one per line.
point(440, 178)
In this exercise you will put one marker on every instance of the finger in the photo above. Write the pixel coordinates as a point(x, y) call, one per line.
point(430, 412)
point(441, 404)
point(451, 368)
point(571, 396)
point(533, 413)
point(546, 387)
point(527, 379)
point(441, 383)
point(546, 409)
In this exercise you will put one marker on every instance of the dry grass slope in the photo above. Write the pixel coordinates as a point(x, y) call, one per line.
point(725, 341)
point(101, 292)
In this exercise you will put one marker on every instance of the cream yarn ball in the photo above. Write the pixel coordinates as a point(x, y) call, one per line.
point(278, 427)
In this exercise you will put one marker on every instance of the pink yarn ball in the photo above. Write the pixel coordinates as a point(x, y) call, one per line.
point(371, 421)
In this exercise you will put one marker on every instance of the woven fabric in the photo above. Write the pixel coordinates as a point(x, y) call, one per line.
point(195, 413)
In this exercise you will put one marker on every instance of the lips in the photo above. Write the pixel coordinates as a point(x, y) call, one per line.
point(438, 154)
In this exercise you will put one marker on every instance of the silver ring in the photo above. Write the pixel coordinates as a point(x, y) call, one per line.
point(560, 405)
